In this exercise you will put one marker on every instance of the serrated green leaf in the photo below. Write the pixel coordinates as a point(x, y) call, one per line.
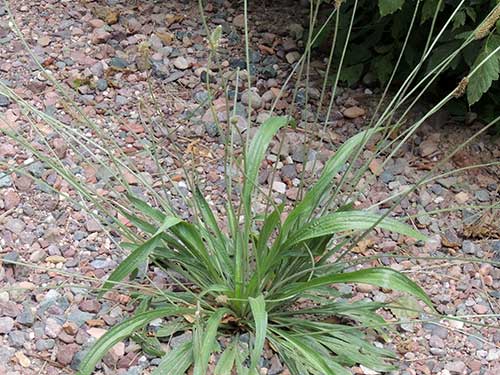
point(389, 6)
point(481, 80)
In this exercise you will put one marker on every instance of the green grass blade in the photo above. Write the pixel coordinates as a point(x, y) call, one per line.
point(382, 277)
point(226, 361)
point(207, 343)
point(177, 361)
point(258, 307)
point(121, 331)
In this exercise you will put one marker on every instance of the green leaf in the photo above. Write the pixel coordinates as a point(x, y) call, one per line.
point(207, 343)
point(322, 187)
point(459, 19)
point(177, 361)
point(226, 361)
point(382, 277)
point(130, 263)
point(121, 331)
point(255, 154)
point(429, 8)
point(389, 6)
point(351, 74)
point(346, 221)
point(258, 307)
point(481, 80)
point(383, 67)
point(311, 356)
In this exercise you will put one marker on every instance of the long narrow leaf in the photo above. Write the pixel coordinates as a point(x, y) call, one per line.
point(207, 344)
point(346, 221)
point(130, 263)
point(258, 307)
point(382, 277)
point(121, 331)
point(226, 361)
point(177, 361)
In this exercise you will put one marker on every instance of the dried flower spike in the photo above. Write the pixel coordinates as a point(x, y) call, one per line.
point(484, 29)
point(460, 89)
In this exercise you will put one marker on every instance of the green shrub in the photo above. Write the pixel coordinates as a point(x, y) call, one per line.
point(379, 35)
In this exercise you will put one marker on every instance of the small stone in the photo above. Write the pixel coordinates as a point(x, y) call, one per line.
point(436, 342)
point(100, 36)
point(456, 367)
point(428, 147)
point(44, 41)
point(279, 187)
point(101, 84)
point(55, 259)
point(52, 328)
point(181, 63)
point(450, 239)
point(239, 21)
point(17, 339)
point(92, 226)
point(4, 101)
point(480, 309)
point(118, 63)
point(468, 247)
point(354, 112)
point(251, 98)
point(65, 353)
point(6, 325)
point(90, 305)
point(15, 225)
point(42, 344)
point(96, 23)
point(482, 195)
point(292, 57)
point(462, 197)
point(23, 360)
point(26, 317)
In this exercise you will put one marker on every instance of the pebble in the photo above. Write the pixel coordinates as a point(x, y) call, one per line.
point(52, 328)
point(4, 101)
point(15, 225)
point(253, 98)
point(354, 112)
point(456, 367)
point(6, 324)
point(181, 63)
point(279, 187)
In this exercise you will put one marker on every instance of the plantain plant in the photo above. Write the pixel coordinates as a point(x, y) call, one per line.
point(264, 279)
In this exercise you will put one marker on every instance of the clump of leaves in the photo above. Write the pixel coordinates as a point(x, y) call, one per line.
point(249, 280)
point(380, 33)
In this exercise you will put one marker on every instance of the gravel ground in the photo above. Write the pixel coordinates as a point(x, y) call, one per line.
point(47, 316)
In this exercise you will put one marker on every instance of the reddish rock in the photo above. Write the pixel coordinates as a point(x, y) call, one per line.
point(65, 353)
